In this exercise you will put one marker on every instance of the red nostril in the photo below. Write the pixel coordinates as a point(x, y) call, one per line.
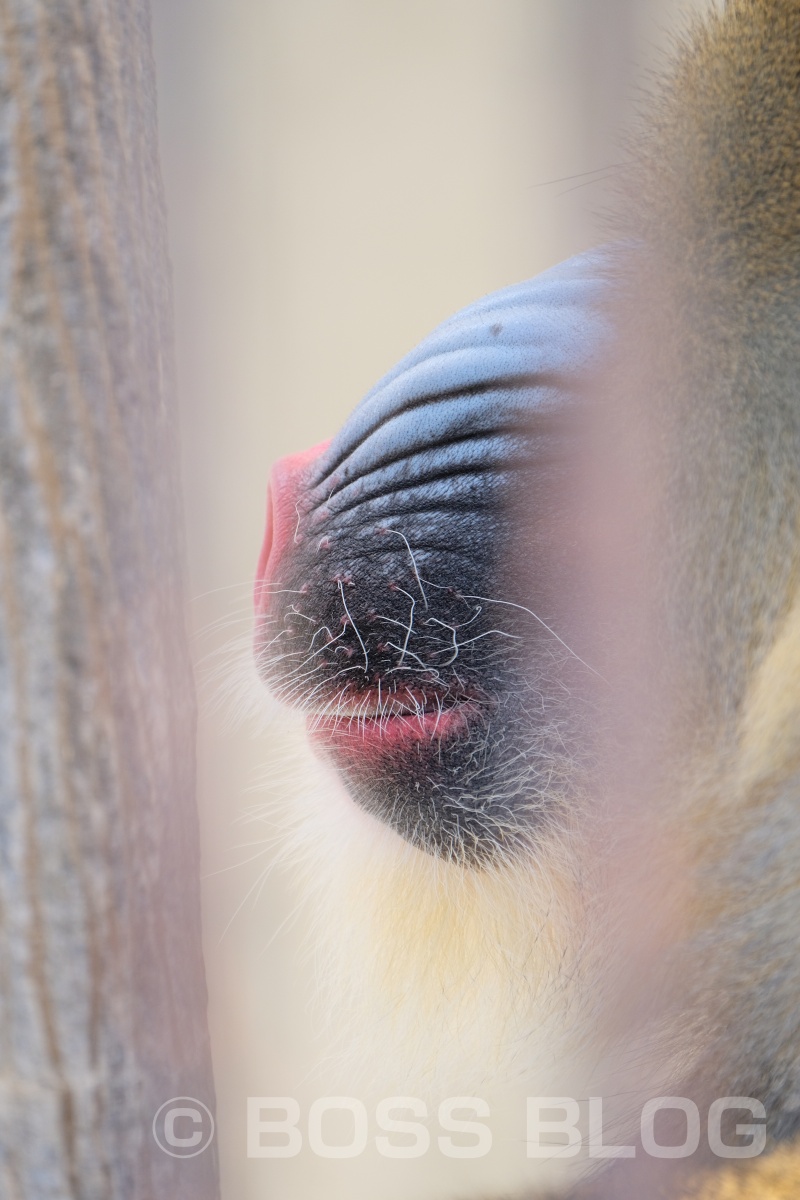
point(286, 484)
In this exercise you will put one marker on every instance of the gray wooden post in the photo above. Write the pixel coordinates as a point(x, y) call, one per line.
point(102, 993)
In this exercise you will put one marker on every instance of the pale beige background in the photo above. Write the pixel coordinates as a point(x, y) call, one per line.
point(342, 175)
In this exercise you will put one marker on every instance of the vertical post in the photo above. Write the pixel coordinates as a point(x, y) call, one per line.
point(102, 993)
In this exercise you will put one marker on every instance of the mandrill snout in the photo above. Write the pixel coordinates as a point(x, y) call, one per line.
point(385, 595)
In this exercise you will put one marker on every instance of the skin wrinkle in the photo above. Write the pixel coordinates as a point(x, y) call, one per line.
point(392, 490)
point(522, 383)
point(447, 441)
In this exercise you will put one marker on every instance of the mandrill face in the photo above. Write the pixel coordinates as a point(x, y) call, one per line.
point(538, 600)
point(406, 610)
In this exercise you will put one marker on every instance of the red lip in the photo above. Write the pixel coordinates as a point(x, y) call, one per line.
point(395, 734)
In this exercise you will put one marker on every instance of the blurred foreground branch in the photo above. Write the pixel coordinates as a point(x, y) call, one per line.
point(102, 994)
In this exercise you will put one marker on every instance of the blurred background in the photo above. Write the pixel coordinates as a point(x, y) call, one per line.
point(341, 176)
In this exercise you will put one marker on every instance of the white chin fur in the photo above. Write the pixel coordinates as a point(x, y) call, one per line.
point(436, 981)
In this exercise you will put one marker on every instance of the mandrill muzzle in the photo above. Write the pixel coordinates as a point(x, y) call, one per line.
point(388, 598)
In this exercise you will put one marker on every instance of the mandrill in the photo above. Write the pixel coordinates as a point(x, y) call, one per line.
point(539, 603)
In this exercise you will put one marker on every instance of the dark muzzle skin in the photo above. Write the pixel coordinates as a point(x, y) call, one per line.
point(387, 595)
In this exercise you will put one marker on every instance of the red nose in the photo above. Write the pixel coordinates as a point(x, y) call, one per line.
point(286, 484)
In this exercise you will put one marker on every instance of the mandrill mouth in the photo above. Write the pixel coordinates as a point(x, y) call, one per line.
point(384, 719)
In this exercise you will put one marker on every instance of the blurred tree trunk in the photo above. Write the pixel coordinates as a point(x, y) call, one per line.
point(102, 994)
